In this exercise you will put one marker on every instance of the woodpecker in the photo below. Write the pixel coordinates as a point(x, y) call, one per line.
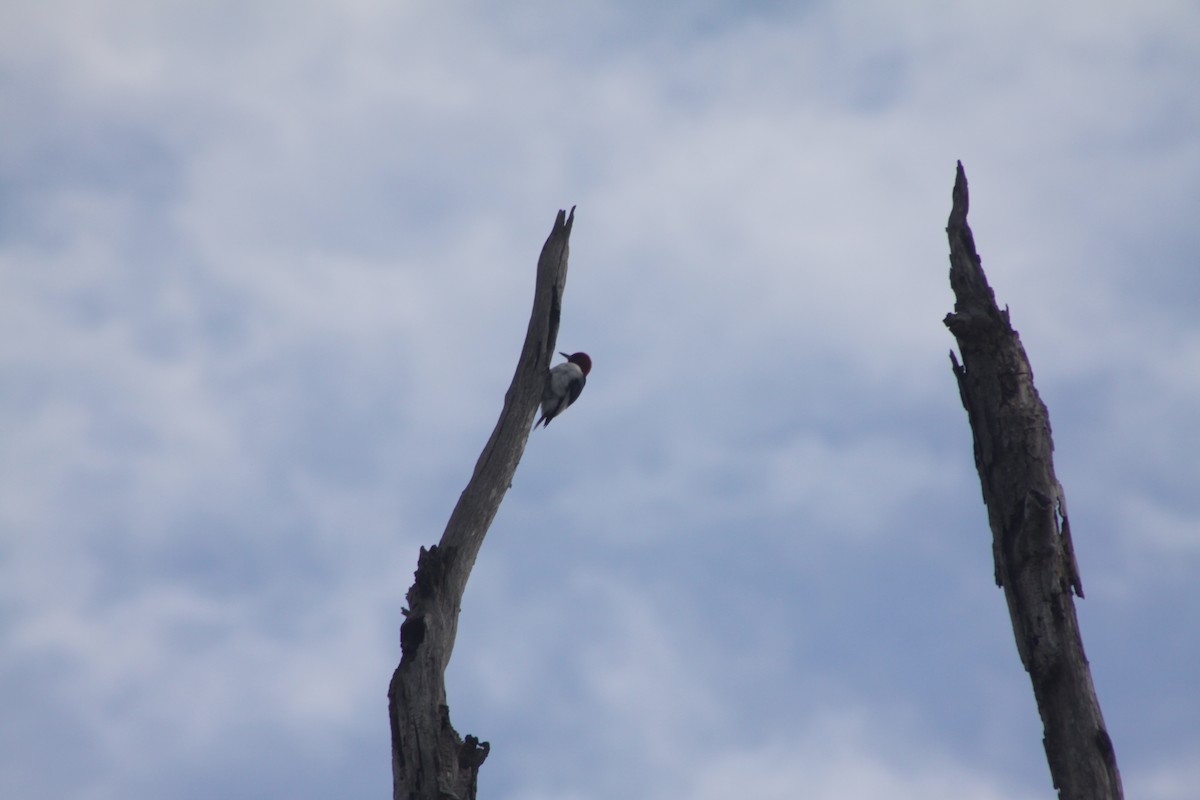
point(563, 385)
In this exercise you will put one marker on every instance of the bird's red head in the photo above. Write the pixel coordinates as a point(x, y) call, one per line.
point(581, 360)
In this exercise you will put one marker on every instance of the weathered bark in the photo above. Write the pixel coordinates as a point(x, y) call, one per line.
point(429, 760)
point(1031, 535)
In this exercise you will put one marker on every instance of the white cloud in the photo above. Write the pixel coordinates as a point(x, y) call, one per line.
point(839, 756)
point(675, 693)
point(1171, 780)
point(265, 273)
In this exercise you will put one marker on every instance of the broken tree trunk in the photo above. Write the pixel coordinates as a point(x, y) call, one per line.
point(1031, 535)
point(429, 759)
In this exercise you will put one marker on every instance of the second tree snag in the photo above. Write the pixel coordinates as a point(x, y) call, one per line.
point(429, 759)
point(1031, 535)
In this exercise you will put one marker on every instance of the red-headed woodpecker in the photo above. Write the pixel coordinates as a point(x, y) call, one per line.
point(563, 385)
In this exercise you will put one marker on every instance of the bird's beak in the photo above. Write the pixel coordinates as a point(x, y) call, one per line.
point(564, 355)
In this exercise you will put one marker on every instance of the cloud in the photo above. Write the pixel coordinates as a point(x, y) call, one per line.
point(689, 699)
point(265, 273)
point(1173, 780)
point(835, 757)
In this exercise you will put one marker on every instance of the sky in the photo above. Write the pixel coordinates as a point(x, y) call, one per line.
point(265, 271)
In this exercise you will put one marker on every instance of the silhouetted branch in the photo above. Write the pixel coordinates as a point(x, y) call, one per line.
point(429, 759)
point(1031, 537)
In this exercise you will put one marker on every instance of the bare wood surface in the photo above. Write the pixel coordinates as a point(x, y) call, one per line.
point(1031, 535)
point(429, 759)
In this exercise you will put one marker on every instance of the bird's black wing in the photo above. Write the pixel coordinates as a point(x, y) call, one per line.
point(575, 388)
